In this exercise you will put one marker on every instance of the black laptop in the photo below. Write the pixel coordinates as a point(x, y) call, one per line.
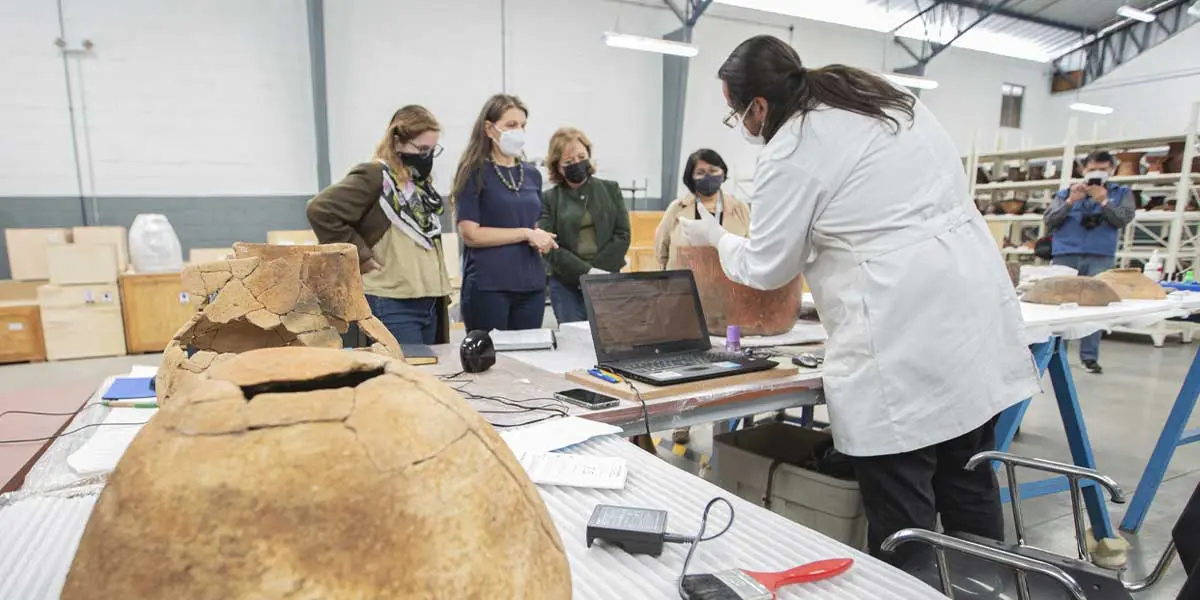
point(650, 327)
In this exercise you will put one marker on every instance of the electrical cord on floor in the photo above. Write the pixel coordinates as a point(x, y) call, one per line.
point(700, 538)
point(63, 434)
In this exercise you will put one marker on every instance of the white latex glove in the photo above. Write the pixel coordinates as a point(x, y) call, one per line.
point(595, 271)
point(705, 231)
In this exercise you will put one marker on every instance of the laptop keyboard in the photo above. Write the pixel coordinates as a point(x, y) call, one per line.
point(683, 361)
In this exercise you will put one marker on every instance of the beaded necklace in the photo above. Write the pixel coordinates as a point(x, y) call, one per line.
point(514, 186)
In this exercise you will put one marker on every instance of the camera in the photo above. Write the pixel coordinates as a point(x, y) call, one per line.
point(1092, 221)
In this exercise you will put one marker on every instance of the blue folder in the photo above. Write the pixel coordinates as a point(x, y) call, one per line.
point(130, 388)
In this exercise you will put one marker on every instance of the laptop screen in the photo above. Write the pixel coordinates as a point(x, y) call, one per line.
point(636, 315)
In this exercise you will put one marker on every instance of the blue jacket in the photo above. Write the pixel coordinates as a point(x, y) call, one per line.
point(1066, 222)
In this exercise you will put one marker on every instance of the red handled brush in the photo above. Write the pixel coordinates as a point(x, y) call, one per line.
point(737, 584)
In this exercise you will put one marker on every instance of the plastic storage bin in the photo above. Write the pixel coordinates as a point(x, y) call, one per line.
point(825, 504)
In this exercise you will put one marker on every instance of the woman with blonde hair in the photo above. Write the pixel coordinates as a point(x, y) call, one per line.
point(389, 209)
point(498, 198)
point(589, 217)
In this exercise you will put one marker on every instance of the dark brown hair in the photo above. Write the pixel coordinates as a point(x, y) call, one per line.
point(479, 146)
point(766, 67)
point(407, 123)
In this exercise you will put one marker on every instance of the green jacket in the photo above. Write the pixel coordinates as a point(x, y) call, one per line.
point(562, 212)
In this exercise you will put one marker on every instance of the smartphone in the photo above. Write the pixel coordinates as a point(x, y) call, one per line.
point(586, 398)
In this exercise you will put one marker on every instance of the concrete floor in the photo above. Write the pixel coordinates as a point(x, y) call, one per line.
point(1125, 409)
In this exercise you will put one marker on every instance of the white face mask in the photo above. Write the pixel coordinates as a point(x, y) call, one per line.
point(512, 141)
point(753, 140)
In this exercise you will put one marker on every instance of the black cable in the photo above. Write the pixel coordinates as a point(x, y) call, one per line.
point(453, 376)
point(63, 434)
point(700, 538)
point(645, 412)
point(49, 414)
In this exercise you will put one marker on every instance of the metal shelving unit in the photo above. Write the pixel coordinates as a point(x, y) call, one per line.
point(1175, 234)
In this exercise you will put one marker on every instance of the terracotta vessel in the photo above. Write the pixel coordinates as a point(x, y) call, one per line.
point(1154, 164)
point(1037, 172)
point(1084, 291)
point(269, 296)
point(1131, 284)
point(1174, 162)
point(1129, 163)
point(981, 176)
point(316, 473)
point(1016, 174)
point(1012, 206)
point(725, 303)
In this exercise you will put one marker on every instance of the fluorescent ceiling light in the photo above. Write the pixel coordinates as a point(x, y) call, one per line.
point(1130, 12)
point(1095, 109)
point(912, 81)
point(649, 44)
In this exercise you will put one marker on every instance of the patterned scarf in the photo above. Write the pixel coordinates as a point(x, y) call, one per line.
point(413, 209)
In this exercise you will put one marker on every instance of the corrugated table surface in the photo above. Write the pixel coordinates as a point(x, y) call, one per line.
point(40, 535)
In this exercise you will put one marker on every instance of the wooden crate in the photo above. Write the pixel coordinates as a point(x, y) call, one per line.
point(113, 236)
point(81, 321)
point(642, 225)
point(27, 251)
point(73, 264)
point(155, 307)
point(642, 258)
point(21, 333)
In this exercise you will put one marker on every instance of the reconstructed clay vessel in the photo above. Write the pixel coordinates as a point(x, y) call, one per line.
point(1131, 284)
point(725, 303)
point(310, 473)
point(270, 296)
point(1084, 291)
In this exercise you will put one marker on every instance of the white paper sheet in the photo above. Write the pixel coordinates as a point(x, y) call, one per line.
point(554, 434)
point(804, 332)
point(524, 339)
point(104, 449)
point(143, 371)
point(574, 470)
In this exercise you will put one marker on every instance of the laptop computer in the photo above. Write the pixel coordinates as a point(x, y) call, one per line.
point(650, 327)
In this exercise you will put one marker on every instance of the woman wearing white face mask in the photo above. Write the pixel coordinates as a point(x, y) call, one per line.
point(860, 187)
point(498, 198)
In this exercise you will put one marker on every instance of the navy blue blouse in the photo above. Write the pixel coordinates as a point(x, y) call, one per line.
point(515, 267)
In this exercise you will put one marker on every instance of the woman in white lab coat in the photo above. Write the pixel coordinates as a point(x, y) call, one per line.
point(860, 188)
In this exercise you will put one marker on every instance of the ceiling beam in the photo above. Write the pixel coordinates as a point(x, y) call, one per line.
point(1012, 14)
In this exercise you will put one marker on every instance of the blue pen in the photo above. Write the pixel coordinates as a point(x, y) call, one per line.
point(598, 374)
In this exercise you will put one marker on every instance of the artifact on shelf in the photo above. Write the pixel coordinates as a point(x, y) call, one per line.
point(1084, 291)
point(269, 296)
point(1012, 206)
point(1174, 162)
point(1129, 163)
point(1016, 174)
point(981, 176)
point(725, 303)
point(317, 473)
point(1037, 172)
point(1154, 164)
point(1132, 284)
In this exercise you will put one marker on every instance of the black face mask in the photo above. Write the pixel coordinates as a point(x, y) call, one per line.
point(420, 164)
point(576, 173)
point(709, 184)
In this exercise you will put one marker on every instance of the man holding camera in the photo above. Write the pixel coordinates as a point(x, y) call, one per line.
point(1085, 221)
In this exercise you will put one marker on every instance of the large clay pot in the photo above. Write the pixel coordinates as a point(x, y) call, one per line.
point(1131, 284)
point(1037, 172)
point(1129, 163)
point(1016, 174)
point(1084, 291)
point(1174, 162)
point(269, 296)
point(1154, 164)
point(1013, 206)
point(315, 473)
point(726, 303)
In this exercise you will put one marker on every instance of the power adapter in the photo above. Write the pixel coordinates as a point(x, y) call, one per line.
point(634, 530)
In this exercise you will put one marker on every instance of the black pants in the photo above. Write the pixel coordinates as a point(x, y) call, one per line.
point(911, 489)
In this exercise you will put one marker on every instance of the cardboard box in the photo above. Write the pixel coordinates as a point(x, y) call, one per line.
point(74, 264)
point(81, 321)
point(115, 236)
point(27, 251)
point(21, 332)
point(154, 307)
point(295, 237)
point(207, 255)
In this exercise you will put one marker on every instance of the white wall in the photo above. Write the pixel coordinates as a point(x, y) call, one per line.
point(176, 98)
point(1152, 94)
point(551, 57)
point(35, 136)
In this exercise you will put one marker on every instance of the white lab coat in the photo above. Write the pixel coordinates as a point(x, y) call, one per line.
point(924, 326)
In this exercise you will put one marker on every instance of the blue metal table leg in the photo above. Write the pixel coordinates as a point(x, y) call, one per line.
point(1077, 437)
point(1010, 419)
point(1172, 437)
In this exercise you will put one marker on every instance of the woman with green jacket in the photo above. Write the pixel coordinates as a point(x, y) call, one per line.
point(589, 217)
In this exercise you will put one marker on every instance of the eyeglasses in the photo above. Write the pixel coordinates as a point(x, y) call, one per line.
point(433, 152)
point(731, 120)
